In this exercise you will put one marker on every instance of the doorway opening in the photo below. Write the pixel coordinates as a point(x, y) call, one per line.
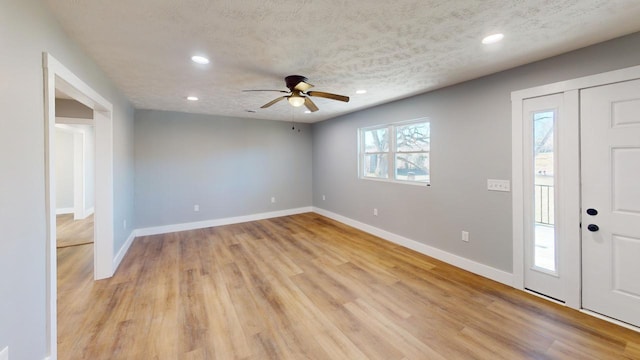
point(75, 174)
point(61, 81)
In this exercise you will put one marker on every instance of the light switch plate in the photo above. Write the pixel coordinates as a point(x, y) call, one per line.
point(498, 185)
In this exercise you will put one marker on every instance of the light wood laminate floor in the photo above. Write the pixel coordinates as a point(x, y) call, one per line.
point(70, 232)
point(306, 287)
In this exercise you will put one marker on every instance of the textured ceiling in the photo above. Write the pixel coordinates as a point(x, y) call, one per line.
point(393, 49)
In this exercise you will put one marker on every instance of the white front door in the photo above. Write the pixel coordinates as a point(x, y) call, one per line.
point(610, 163)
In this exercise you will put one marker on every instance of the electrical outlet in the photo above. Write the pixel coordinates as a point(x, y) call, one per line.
point(465, 236)
point(196, 207)
point(324, 198)
point(375, 212)
point(4, 354)
point(498, 185)
point(273, 199)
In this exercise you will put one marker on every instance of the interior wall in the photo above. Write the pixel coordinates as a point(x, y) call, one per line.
point(89, 166)
point(65, 150)
point(64, 170)
point(68, 108)
point(72, 109)
point(470, 143)
point(27, 29)
point(228, 166)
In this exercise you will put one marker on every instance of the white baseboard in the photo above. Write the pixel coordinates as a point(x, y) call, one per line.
point(611, 320)
point(85, 213)
point(455, 260)
point(219, 222)
point(200, 225)
point(123, 251)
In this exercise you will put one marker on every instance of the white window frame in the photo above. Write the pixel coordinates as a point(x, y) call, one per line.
point(391, 153)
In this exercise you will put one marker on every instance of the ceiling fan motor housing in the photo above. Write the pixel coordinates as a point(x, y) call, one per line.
point(293, 80)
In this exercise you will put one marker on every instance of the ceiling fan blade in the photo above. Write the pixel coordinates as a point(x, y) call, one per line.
point(329, 95)
point(303, 86)
point(272, 102)
point(310, 105)
point(282, 91)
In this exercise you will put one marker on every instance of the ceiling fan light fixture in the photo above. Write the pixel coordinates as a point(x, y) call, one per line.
point(296, 101)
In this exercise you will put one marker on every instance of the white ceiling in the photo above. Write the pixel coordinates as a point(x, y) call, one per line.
point(393, 49)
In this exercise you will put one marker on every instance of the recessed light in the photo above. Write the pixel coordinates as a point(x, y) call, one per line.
point(492, 39)
point(361, 91)
point(200, 59)
point(307, 111)
point(192, 98)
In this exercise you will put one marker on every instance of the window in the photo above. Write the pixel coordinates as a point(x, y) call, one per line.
point(545, 243)
point(396, 152)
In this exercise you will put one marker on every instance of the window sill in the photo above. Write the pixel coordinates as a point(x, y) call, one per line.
point(401, 182)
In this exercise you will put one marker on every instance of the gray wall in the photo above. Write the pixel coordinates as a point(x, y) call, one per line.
point(229, 166)
point(27, 29)
point(470, 142)
point(64, 169)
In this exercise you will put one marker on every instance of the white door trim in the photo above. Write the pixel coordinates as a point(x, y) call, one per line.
point(57, 76)
point(73, 121)
point(570, 178)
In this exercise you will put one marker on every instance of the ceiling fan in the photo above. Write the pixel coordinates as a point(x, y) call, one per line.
point(298, 93)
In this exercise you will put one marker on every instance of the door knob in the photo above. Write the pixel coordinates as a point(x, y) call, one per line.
point(593, 227)
point(592, 212)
